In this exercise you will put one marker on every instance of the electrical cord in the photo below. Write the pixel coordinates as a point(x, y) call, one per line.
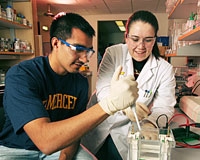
point(166, 123)
point(186, 145)
point(187, 133)
point(180, 114)
point(195, 87)
point(197, 125)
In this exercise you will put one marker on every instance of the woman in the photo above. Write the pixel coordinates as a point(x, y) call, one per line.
point(156, 82)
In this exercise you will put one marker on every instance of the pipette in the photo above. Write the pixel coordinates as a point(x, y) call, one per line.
point(136, 118)
point(133, 106)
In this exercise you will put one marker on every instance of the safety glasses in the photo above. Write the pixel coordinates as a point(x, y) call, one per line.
point(79, 49)
point(147, 41)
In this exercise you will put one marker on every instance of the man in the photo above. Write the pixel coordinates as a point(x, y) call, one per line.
point(45, 97)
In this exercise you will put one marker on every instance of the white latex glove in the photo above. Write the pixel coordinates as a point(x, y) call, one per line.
point(123, 93)
point(149, 131)
point(142, 112)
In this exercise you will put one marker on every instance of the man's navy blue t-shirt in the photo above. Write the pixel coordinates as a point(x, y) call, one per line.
point(33, 90)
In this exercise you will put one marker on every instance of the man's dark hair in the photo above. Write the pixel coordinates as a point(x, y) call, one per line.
point(63, 23)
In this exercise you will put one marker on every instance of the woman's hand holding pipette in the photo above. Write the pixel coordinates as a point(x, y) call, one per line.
point(141, 110)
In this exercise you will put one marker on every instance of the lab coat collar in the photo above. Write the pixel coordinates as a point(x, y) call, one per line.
point(128, 66)
point(147, 71)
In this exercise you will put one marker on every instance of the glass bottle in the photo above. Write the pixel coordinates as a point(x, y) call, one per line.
point(17, 45)
point(2, 44)
point(6, 45)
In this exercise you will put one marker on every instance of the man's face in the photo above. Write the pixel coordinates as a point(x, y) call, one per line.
point(66, 59)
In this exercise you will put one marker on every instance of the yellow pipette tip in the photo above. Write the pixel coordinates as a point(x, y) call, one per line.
point(122, 73)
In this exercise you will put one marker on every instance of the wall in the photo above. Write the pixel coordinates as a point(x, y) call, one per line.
point(46, 21)
point(93, 19)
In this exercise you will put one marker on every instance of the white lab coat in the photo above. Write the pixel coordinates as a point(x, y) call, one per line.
point(156, 76)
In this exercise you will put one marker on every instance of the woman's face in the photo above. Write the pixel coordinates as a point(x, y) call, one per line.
point(140, 40)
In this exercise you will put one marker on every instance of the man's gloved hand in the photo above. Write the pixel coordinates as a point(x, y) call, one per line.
point(142, 112)
point(149, 131)
point(123, 93)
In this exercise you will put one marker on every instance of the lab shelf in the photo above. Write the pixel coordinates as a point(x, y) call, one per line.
point(193, 35)
point(12, 29)
point(4, 23)
point(16, 53)
point(171, 55)
point(190, 50)
point(183, 9)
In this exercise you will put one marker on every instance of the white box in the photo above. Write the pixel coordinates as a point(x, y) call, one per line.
point(159, 149)
point(190, 105)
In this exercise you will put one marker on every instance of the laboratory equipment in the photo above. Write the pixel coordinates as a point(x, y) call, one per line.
point(158, 149)
point(190, 105)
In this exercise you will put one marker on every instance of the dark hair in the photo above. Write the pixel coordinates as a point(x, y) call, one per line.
point(147, 17)
point(62, 25)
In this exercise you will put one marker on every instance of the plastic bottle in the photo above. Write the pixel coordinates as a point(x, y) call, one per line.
point(14, 14)
point(197, 23)
point(9, 13)
point(28, 47)
point(191, 22)
point(10, 45)
point(17, 45)
point(22, 46)
point(2, 76)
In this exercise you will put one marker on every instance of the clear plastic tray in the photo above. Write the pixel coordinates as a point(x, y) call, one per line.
point(157, 149)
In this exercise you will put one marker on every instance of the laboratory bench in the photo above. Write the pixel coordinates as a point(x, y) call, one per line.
point(185, 154)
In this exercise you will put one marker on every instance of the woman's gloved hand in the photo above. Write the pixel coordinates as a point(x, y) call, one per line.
point(123, 93)
point(149, 131)
point(142, 112)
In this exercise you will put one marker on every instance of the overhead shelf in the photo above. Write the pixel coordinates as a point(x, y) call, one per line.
point(16, 53)
point(21, 0)
point(4, 23)
point(191, 50)
point(183, 9)
point(193, 35)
